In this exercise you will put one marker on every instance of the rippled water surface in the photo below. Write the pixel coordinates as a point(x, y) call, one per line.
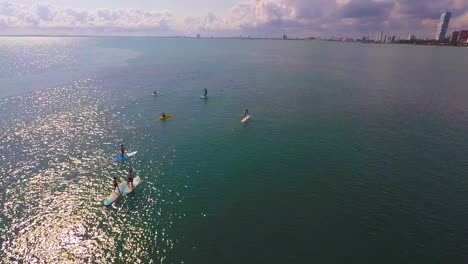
point(34, 55)
point(354, 153)
point(55, 151)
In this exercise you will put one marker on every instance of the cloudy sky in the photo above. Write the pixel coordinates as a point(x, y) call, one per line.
point(260, 18)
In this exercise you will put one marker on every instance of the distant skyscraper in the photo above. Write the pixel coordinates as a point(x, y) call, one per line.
point(285, 37)
point(411, 37)
point(454, 36)
point(379, 37)
point(443, 26)
point(198, 35)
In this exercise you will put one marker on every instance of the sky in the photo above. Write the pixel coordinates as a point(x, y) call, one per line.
point(256, 18)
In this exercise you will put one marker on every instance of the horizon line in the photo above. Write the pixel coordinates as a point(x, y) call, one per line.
point(147, 36)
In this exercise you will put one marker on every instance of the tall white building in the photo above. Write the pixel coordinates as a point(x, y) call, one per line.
point(443, 26)
point(379, 36)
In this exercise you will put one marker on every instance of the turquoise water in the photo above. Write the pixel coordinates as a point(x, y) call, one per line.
point(354, 153)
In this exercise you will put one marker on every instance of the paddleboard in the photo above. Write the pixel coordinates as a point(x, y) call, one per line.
point(129, 189)
point(115, 194)
point(126, 156)
point(245, 119)
point(203, 97)
point(164, 118)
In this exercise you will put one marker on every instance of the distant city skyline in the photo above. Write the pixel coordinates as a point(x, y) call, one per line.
point(230, 18)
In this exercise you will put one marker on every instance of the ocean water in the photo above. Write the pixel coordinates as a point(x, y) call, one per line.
point(354, 153)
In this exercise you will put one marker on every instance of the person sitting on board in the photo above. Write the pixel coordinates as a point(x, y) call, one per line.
point(155, 93)
point(116, 185)
point(206, 92)
point(122, 149)
point(246, 112)
point(130, 177)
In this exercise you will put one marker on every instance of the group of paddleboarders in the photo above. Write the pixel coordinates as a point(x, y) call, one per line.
point(129, 181)
point(129, 173)
point(163, 115)
point(122, 150)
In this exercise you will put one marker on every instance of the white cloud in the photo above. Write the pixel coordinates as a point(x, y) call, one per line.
point(207, 23)
point(45, 16)
point(461, 22)
point(255, 13)
point(248, 17)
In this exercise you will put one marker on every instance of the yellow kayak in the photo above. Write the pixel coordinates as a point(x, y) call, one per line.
point(166, 117)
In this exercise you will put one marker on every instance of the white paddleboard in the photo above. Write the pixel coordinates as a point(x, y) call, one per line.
point(126, 156)
point(245, 119)
point(129, 189)
point(115, 194)
point(132, 153)
point(203, 97)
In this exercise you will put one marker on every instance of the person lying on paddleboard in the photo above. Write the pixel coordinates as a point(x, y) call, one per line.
point(116, 184)
point(130, 178)
point(122, 150)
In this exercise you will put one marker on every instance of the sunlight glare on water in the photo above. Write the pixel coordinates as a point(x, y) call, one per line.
point(33, 55)
point(56, 155)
